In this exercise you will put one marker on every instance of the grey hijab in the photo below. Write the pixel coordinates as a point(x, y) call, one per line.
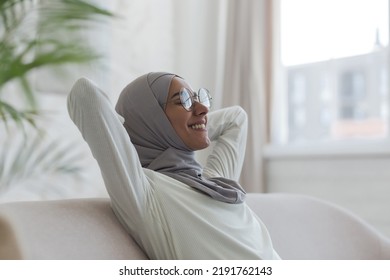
point(141, 104)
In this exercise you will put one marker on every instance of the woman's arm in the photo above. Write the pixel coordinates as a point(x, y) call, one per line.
point(126, 183)
point(228, 129)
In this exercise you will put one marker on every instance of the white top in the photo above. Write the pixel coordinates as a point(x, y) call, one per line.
point(167, 218)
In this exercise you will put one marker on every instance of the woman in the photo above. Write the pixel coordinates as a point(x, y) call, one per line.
point(172, 206)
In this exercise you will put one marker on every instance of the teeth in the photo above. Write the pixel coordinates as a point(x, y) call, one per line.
point(198, 126)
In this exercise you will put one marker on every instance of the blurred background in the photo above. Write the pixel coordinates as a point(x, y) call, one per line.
point(313, 76)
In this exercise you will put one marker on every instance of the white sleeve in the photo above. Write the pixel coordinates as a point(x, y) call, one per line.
point(99, 124)
point(228, 129)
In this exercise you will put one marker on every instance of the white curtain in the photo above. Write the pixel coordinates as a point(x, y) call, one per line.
point(243, 80)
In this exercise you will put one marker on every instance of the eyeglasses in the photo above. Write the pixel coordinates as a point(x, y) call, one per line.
point(188, 98)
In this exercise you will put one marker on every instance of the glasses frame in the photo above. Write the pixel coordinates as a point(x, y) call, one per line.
point(194, 97)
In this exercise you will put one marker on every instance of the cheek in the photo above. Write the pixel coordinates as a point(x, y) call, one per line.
point(177, 119)
point(180, 126)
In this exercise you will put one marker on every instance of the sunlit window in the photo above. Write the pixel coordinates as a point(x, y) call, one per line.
point(334, 56)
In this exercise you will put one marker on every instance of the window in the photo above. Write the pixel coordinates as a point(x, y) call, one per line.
point(334, 60)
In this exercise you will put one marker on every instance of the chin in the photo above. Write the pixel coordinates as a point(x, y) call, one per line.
point(205, 145)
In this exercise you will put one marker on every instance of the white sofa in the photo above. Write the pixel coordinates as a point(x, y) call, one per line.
point(301, 227)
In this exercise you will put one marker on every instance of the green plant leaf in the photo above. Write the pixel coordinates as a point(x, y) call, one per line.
point(9, 112)
point(30, 40)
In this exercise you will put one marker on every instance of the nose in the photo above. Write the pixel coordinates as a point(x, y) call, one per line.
point(199, 109)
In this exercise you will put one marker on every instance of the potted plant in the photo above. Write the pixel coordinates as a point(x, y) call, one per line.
point(31, 38)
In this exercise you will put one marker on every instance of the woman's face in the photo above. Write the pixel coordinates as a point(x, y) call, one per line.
point(189, 125)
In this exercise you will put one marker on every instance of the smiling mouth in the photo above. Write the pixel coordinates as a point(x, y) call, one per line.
point(198, 126)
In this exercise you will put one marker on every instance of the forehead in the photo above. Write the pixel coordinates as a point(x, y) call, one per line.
point(176, 84)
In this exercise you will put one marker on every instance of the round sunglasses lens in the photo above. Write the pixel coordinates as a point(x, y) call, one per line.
point(204, 97)
point(185, 98)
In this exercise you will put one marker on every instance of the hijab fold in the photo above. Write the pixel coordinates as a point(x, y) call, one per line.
point(141, 104)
